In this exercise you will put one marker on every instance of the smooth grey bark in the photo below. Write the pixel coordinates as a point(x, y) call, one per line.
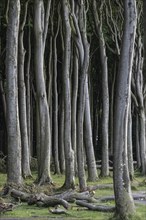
point(122, 189)
point(144, 25)
point(28, 92)
point(112, 111)
point(50, 75)
point(77, 22)
point(74, 105)
point(69, 153)
point(141, 108)
point(84, 64)
point(22, 101)
point(14, 140)
point(137, 142)
point(55, 103)
point(61, 114)
point(130, 144)
point(105, 92)
point(61, 136)
point(46, 21)
point(88, 140)
point(43, 110)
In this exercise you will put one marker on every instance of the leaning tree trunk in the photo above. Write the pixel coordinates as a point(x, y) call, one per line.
point(43, 110)
point(13, 128)
point(123, 198)
point(69, 153)
point(22, 102)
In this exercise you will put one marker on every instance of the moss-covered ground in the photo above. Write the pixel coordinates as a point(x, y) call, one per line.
point(22, 210)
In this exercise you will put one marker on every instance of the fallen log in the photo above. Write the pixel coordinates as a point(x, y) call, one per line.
point(42, 199)
point(93, 207)
point(39, 199)
point(17, 194)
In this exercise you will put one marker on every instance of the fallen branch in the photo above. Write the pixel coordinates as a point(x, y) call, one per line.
point(93, 207)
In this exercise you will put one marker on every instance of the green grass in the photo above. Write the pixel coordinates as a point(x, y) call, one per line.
point(24, 211)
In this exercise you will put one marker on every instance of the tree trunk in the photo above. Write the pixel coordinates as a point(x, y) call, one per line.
point(22, 102)
point(28, 92)
point(144, 25)
point(55, 103)
point(91, 164)
point(123, 198)
point(69, 153)
point(14, 139)
point(130, 144)
point(105, 93)
point(43, 110)
point(74, 105)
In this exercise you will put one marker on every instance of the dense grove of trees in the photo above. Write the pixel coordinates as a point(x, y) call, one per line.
point(72, 91)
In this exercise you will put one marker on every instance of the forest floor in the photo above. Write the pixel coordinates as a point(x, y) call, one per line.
point(104, 193)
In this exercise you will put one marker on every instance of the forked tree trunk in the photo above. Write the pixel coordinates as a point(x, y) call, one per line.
point(123, 198)
point(43, 110)
point(14, 139)
point(69, 153)
point(77, 25)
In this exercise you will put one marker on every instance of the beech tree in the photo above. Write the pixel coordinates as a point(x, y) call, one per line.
point(13, 127)
point(69, 153)
point(44, 144)
point(98, 20)
point(22, 101)
point(122, 188)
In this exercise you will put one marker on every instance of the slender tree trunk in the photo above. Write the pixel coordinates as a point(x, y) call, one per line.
point(55, 112)
point(69, 153)
point(14, 139)
point(28, 91)
point(74, 105)
point(144, 25)
point(3, 101)
point(61, 136)
point(105, 93)
point(130, 144)
point(137, 142)
point(91, 164)
point(141, 107)
point(123, 198)
point(22, 102)
point(112, 111)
